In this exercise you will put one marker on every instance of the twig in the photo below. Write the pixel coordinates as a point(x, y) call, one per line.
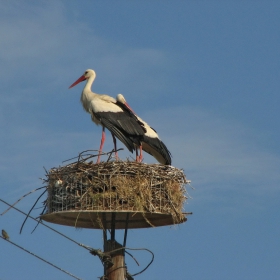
point(31, 210)
point(21, 199)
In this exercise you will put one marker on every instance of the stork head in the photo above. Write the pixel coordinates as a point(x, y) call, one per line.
point(121, 99)
point(89, 74)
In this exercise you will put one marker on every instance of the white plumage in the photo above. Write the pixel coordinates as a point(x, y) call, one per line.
point(106, 111)
point(150, 141)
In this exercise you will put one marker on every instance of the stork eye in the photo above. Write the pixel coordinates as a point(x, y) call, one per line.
point(86, 72)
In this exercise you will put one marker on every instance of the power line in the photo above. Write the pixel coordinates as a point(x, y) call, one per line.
point(80, 244)
point(41, 258)
point(102, 255)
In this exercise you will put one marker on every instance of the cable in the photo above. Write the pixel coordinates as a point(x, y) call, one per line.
point(80, 244)
point(91, 250)
point(40, 258)
point(134, 249)
point(153, 256)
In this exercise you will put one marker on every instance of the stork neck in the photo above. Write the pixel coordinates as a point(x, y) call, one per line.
point(89, 82)
point(87, 94)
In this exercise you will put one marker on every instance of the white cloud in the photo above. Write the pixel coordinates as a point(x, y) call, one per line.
point(38, 39)
point(42, 52)
point(40, 44)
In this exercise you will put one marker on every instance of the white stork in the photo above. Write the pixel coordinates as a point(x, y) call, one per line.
point(105, 110)
point(150, 141)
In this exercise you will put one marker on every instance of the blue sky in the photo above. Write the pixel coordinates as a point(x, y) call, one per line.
point(204, 74)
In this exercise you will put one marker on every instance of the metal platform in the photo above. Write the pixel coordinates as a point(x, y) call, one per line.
point(103, 220)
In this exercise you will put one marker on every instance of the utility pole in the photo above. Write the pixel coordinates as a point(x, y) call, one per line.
point(117, 271)
point(115, 195)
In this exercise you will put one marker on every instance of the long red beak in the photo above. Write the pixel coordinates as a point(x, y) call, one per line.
point(126, 104)
point(82, 78)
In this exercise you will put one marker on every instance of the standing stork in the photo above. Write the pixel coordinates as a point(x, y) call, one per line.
point(106, 111)
point(150, 141)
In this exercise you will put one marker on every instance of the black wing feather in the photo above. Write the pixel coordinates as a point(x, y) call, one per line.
point(131, 114)
point(158, 146)
point(123, 125)
point(153, 143)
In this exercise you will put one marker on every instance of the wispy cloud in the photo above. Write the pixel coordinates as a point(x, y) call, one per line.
point(215, 151)
point(42, 52)
point(41, 43)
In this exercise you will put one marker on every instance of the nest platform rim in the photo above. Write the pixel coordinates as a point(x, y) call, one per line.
point(81, 193)
point(94, 219)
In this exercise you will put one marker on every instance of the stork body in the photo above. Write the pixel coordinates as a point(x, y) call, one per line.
point(106, 111)
point(150, 141)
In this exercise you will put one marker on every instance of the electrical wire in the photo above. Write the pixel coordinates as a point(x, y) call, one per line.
point(53, 265)
point(80, 244)
point(133, 249)
point(91, 250)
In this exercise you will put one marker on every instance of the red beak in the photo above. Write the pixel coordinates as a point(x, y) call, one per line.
point(126, 104)
point(82, 78)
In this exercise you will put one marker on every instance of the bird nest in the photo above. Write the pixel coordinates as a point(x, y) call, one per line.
point(85, 194)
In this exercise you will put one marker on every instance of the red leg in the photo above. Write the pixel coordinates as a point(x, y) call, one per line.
point(137, 158)
point(101, 144)
point(141, 154)
point(115, 146)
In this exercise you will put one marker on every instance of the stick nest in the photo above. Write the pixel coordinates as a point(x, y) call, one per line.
point(117, 186)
